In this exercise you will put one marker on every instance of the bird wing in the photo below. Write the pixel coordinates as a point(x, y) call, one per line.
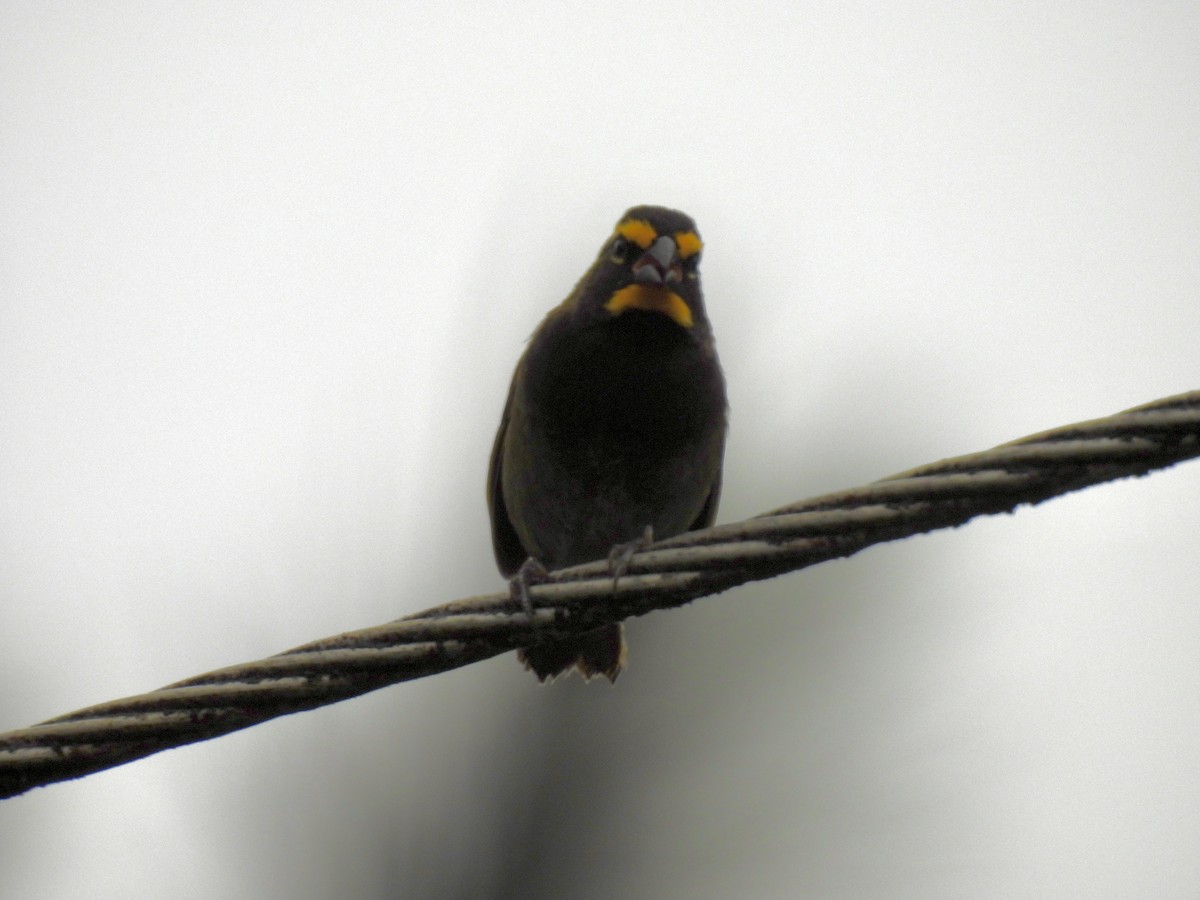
point(708, 512)
point(510, 553)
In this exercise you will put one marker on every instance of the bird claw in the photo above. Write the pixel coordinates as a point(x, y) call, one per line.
point(531, 572)
point(621, 554)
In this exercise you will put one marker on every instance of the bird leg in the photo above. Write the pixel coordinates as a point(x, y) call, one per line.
point(621, 554)
point(531, 572)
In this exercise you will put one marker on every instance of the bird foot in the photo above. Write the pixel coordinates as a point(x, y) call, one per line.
point(531, 572)
point(621, 554)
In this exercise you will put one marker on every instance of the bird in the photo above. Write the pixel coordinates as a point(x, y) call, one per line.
point(613, 432)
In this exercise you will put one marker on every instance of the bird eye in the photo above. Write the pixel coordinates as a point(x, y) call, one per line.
point(619, 253)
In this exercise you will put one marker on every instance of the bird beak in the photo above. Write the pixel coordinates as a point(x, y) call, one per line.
point(659, 264)
point(658, 268)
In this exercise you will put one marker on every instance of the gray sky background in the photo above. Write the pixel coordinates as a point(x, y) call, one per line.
point(265, 270)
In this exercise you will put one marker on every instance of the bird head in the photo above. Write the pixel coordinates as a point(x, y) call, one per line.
point(650, 263)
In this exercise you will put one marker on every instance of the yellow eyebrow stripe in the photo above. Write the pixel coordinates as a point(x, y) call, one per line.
point(639, 231)
point(689, 243)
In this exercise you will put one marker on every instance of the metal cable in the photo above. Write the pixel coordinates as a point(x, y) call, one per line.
point(670, 573)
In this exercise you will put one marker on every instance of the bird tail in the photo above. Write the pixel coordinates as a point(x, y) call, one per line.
point(597, 652)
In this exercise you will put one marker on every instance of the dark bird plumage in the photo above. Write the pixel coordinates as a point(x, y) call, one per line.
point(615, 421)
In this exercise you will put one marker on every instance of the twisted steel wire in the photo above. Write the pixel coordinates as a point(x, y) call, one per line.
point(667, 574)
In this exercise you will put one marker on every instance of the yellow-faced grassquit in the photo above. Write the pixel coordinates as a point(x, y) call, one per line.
point(614, 424)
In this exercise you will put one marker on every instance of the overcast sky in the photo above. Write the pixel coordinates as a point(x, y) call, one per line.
point(265, 269)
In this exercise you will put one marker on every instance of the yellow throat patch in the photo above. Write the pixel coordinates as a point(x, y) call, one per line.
point(651, 298)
